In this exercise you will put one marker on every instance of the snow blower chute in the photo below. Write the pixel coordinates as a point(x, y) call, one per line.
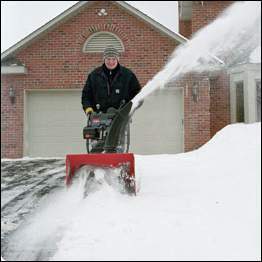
point(107, 144)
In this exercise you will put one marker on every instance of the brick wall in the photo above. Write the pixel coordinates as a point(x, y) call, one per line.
point(220, 102)
point(12, 118)
point(56, 60)
point(207, 114)
point(212, 112)
point(196, 112)
point(204, 12)
point(185, 28)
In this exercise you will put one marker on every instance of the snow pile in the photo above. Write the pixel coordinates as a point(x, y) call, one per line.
point(200, 205)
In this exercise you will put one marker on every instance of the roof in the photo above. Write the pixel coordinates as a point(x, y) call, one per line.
point(72, 11)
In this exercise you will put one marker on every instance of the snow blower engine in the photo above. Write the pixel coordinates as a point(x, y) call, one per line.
point(107, 138)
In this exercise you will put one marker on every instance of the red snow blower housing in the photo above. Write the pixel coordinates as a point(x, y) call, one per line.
point(107, 142)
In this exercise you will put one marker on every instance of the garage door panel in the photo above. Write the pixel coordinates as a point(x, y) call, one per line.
point(55, 121)
point(157, 126)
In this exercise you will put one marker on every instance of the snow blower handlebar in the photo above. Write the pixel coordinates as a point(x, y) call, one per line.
point(119, 122)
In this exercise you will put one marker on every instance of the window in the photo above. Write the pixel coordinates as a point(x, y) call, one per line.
point(240, 112)
point(97, 42)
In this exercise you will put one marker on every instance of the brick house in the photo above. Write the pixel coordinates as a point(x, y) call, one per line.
point(42, 77)
point(235, 95)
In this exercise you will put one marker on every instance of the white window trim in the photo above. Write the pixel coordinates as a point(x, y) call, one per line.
point(248, 74)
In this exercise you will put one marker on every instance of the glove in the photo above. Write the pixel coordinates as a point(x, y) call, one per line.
point(89, 110)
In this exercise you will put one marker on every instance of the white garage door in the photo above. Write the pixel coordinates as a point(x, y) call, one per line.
point(54, 122)
point(157, 126)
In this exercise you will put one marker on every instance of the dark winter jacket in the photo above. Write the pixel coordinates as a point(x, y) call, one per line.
point(109, 88)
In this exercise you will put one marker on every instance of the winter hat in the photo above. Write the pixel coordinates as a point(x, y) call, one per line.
point(111, 51)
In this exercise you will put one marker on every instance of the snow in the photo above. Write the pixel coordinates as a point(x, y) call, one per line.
point(200, 205)
point(27, 158)
point(255, 56)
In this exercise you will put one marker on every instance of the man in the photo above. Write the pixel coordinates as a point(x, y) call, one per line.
point(110, 85)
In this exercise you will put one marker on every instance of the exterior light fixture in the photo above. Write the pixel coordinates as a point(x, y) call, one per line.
point(11, 93)
point(195, 91)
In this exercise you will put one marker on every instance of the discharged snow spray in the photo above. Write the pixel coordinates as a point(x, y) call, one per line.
point(226, 41)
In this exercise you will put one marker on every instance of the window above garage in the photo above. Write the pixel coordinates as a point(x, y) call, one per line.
point(97, 42)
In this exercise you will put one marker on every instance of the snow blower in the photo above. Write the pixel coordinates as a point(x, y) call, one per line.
point(107, 143)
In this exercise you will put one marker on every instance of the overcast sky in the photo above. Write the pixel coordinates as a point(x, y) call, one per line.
point(20, 18)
